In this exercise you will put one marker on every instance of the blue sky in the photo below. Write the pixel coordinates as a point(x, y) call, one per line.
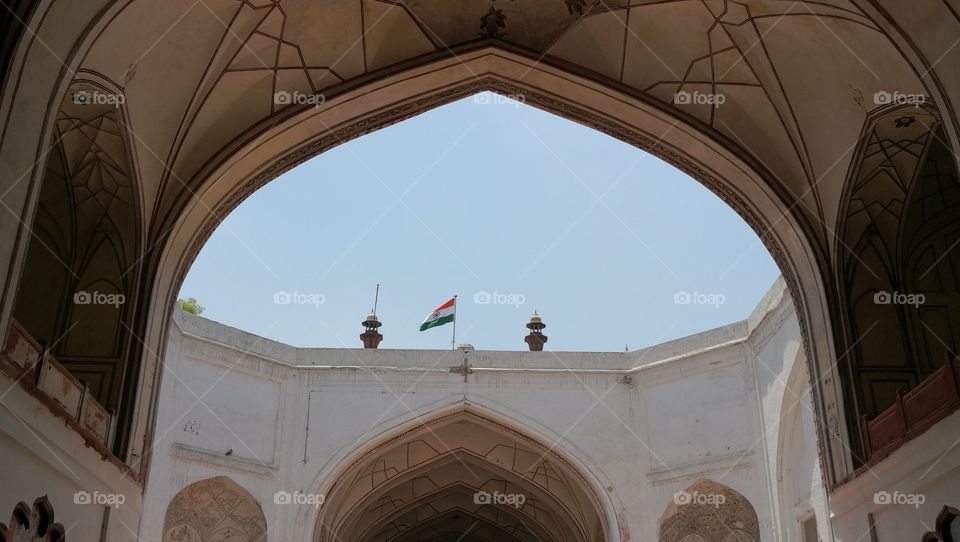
point(509, 207)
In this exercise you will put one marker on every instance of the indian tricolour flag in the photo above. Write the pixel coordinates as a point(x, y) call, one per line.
point(444, 314)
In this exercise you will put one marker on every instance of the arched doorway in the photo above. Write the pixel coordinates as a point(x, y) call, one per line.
point(461, 475)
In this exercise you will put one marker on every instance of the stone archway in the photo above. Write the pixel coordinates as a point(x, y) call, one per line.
point(735, 178)
point(460, 475)
point(214, 510)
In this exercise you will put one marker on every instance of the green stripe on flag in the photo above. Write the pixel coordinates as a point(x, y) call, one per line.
point(438, 322)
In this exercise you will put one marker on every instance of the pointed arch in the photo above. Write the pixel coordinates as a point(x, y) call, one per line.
point(270, 150)
point(446, 465)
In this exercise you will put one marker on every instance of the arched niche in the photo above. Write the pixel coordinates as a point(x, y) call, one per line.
point(214, 510)
point(710, 512)
point(78, 292)
point(898, 280)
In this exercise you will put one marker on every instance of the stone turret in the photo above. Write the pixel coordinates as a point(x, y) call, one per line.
point(371, 337)
point(535, 339)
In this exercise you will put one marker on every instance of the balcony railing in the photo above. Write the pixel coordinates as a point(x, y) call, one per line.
point(933, 399)
point(27, 362)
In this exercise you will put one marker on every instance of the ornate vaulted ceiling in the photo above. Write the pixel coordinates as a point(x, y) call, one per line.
point(790, 110)
point(796, 78)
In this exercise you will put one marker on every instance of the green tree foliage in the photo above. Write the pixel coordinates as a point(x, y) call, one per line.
point(190, 305)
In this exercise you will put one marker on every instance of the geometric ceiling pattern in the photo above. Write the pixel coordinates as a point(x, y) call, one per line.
point(789, 84)
point(893, 153)
point(97, 160)
point(898, 233)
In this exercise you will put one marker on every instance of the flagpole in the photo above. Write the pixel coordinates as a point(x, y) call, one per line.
point(453, 341)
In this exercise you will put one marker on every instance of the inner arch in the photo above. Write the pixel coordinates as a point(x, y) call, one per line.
point(461, 476)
